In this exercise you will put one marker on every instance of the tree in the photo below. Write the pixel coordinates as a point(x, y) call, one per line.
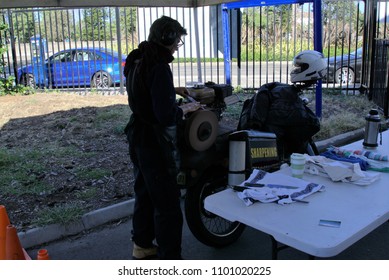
point(343, 22)
point(56, 26)
point(95, 24)
point(24, 25)
point(252, 24)
point(267, 24)
point(128, 20)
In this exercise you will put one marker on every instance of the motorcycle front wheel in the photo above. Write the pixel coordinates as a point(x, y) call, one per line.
point(207, 227)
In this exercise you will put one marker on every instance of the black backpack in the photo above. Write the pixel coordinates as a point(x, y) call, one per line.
point(277, 108)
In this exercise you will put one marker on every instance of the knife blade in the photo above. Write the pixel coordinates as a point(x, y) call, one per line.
point(278, 186)
point(242, 188)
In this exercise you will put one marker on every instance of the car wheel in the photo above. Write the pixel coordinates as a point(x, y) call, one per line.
point(101, 80)
point(28, 80)
point(344, 76)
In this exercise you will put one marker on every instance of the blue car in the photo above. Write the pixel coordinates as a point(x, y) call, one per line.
point(78, 67)
point(345, 69)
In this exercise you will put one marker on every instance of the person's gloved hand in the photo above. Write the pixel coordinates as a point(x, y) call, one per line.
point(181, 91)
point(190, 107)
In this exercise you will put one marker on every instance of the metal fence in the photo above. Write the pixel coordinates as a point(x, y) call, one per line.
point(264, 40)
point(378, 82)
point(379, 92)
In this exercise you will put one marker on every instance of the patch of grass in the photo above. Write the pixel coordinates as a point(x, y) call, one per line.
point(112, 115)
point(342, 113)
point(119, 129)
point(92, 174)
point(62, 152)
point(19, 176)
point(87, 194)
point(6, 158)
point(335, 125)
point(73, 119)
point(62, 214)
point(89, 154)
point(34, 155)
point(233, 111)
point(109, 115)
point(19, 188)
point(117, 118)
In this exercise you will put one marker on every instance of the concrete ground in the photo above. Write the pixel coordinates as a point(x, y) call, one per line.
point(112, 241)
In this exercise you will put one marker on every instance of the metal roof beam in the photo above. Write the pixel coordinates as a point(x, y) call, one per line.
point(109, 3)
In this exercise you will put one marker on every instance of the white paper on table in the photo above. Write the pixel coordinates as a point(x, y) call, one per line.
point(339, 170)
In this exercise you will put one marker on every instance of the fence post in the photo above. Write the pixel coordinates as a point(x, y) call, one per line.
point(226, 41)
point(318, 45)
point(119, 39)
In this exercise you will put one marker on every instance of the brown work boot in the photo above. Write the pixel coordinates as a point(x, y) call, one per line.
point(139, 253)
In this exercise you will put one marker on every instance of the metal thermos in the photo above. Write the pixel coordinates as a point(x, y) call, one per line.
point(372, 128)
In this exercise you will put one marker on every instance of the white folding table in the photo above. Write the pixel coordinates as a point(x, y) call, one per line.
point(359, 209)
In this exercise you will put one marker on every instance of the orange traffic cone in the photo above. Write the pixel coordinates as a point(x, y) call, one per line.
point(43, 254)
point(13, 248)
point(4, 222)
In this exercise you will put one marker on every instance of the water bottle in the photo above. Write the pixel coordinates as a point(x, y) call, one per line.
point(372, 128)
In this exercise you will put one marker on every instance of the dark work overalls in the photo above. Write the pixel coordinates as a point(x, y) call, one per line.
point(157, 212)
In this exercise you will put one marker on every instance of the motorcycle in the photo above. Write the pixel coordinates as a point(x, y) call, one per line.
point(214, 156)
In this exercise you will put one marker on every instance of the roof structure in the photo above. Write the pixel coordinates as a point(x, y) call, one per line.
point(110, 3)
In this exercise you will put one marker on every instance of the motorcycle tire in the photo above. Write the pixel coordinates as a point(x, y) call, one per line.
point(207, 227)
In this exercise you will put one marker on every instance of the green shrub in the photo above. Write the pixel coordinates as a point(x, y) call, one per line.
point(8, 84)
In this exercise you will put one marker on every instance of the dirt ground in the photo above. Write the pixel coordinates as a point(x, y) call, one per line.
point(71, 150)
point(65, 127)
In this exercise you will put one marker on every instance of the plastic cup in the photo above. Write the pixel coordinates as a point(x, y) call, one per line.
point(297, 164)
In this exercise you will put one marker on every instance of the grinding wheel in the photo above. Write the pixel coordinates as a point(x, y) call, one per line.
point(201, 130)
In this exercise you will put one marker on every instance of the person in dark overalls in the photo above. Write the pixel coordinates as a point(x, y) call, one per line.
point(151, 133)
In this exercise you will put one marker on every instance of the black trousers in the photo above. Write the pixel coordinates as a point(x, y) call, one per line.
point(157, 211)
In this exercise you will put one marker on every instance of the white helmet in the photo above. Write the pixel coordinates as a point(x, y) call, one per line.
point(309, 66)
